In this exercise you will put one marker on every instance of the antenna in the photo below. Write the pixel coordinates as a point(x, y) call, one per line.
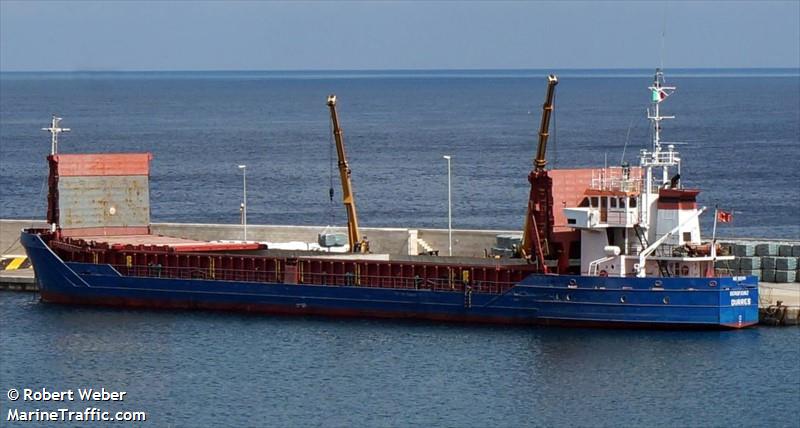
point(657, 158)
point(659, 93)
point(627, 139)
point(54, 130)
point(663, 33)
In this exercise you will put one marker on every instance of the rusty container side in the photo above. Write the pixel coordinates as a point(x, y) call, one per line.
point(108, 201)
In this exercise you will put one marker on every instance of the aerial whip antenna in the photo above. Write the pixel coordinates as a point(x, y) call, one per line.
point(627, 140)
point(663, 34)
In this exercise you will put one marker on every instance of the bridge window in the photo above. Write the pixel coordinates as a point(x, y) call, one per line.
point(595, 202)
point(584, 202)
point(687, 236)
point(622, 202)
point(613, 202)
point(633, 202)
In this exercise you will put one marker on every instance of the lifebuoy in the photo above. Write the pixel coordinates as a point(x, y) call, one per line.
point(603, 273)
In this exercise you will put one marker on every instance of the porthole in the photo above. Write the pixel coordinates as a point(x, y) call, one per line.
point(567, 297)
point(622, 299)
point(665, 300)
point(657, 283)
point(558, 297)
point(712, 283)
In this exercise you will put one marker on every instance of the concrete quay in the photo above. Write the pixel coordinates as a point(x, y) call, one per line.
point(383, 240)
point(18, 280)
point(779, 303)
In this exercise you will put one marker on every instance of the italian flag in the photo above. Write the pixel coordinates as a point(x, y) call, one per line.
point(659, 95)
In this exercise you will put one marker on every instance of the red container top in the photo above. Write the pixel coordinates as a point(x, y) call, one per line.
point(103, 164)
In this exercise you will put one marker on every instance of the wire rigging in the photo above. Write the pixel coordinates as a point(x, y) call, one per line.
point(332, 211)
point(627, 139)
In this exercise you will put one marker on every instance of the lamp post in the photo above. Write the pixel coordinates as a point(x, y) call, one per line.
point(244, 196)
point(449, 209)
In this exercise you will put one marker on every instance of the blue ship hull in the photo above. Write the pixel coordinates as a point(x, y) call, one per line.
point(537, 299)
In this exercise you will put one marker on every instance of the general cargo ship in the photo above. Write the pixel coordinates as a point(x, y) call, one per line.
point(610, 247)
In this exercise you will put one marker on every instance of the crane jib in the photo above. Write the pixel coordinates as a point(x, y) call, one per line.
point(539, 219)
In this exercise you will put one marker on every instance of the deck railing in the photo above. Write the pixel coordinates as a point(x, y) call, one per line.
point(322, 278)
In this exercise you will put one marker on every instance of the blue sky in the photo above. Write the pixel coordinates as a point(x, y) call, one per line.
point(115, 35)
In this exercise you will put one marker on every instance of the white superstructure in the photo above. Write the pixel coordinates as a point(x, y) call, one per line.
point(641, 221)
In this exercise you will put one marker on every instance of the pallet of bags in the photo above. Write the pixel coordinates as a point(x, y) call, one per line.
point(732, 265)
point(785, 263)
point(750, 263)
point(785, 276)
point(744, 250)
point(767, 249)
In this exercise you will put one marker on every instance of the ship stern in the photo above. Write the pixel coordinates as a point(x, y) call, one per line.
point(738, 301)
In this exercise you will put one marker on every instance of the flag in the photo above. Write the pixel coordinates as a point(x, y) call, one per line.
point(724, 216)
point(659, 95)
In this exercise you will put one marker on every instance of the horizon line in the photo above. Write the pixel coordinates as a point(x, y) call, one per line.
point(374, 70)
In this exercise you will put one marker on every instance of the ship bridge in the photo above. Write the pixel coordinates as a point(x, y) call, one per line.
point(610, 201)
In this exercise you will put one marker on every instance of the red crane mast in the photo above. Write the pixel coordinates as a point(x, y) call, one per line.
point(539, 219)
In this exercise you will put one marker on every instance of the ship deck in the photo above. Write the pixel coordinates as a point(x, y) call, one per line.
point(119, 242)
point(184, 245)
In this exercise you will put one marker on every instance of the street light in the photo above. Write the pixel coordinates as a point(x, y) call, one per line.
point(244, 195)
point(449, 208)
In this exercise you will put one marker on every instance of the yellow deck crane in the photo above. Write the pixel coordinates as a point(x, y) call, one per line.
point(539, 219)
point(357, 244)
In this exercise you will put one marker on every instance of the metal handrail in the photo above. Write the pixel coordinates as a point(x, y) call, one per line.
point(316, 278)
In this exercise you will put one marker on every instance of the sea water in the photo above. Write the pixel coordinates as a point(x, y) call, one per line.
point(738, 133)
point(214, 369)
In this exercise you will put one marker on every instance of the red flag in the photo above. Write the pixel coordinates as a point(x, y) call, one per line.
point(724, 216)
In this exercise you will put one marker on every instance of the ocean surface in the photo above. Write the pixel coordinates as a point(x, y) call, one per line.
point(738, 131)
point(209, 369)
point(741, 130)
